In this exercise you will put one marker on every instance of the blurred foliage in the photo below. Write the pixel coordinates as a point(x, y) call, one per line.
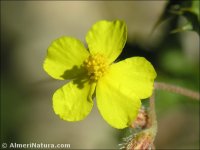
point(14, 103)
point(186, 8)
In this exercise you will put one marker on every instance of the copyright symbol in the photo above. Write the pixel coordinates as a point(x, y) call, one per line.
point(4, 145)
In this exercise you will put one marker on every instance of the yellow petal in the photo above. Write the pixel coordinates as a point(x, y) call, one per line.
point(119, 91)
point(73, 101)
point(118, 105)
point(136, 74)
point(107, 38)
point(64, 58)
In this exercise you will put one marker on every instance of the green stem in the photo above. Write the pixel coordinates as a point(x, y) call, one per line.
point(152, 115)
point(177, 89)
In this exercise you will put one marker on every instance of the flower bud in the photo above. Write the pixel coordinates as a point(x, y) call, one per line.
point(141, 120)
point(142, 141)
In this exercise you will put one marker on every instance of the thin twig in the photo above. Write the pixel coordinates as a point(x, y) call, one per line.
point(177, 89)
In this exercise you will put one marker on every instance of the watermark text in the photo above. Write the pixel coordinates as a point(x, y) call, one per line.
point(34, 146)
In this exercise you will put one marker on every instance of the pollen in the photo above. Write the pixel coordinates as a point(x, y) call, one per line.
point(96, 66)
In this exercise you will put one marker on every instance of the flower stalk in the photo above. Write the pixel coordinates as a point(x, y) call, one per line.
point(177, 89)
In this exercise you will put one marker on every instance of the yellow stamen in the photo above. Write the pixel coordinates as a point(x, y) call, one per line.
point(96, 66)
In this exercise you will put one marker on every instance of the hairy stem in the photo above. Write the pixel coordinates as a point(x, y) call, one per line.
point(177, 89)
point(152, 115)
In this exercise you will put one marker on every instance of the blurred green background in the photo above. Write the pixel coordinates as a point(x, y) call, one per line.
point(27, 29)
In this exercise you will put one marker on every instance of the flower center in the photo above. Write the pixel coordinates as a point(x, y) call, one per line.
point(96, 66)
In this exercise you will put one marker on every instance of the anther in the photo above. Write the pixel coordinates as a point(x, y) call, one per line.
point(96, 66)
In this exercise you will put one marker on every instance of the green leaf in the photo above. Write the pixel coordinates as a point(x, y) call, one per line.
point(187, 9)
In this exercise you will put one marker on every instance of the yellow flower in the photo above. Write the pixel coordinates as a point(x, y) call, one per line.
point(118, 86)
